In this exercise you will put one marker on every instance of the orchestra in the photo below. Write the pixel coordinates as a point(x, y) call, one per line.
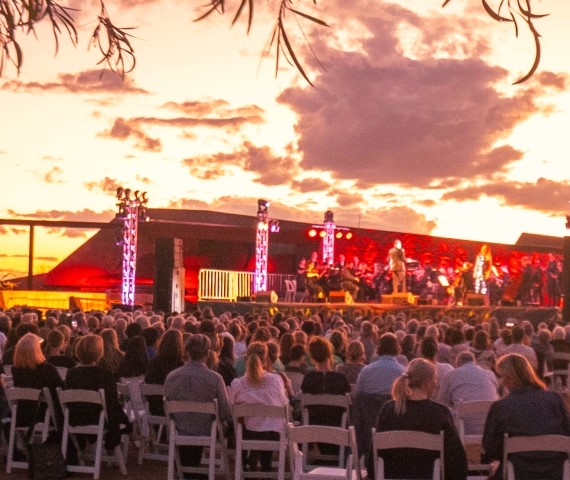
point(441, 283)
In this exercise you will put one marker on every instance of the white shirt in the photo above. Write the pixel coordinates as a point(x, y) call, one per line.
point(270, 391)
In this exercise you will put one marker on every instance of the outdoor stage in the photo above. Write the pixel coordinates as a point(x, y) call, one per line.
point(354, 310)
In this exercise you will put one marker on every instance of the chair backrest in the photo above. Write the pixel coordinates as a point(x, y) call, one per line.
point(537, 443)
point(465, 410)
point(327, 400)
point(244, 410)
point(62, 371)
point(306, 434)
point(407, 439)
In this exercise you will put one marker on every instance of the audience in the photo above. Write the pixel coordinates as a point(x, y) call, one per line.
point(331, 350)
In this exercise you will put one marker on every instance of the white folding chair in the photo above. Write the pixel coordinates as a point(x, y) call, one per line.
point(473, 409)
point(291, 290)
point(215, 441)
point(153, 428)
point(306, 434)
point(240, 413)
point(15, 395)
point(407, 439)
point(539, 443)
point(559, 377)
point(67, 399)
point(325, 400)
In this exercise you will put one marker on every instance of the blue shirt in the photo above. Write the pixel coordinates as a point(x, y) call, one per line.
point(377, 378)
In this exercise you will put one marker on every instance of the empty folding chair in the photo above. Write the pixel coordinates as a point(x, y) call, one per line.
point(342, 437)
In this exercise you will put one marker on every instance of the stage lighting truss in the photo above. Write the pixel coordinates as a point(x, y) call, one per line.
point(265, 225)
point(328, 232)
point(132, 208)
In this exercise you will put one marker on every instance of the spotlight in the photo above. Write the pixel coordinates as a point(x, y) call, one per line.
point(338, 234)
point(262, 225)
point(262, 203)
point(312, 233)
point(274, 226)
point(120, 191)
point(127, 193)
point(322, 234)
point(348, 235)
point(329, 216)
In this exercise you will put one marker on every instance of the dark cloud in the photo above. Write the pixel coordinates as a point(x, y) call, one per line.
point(398, 219)
point(124, 129)
point(378, 116)
point(212, 114)
point(545, 195)
point(89, 81)
point(310, 185)
point(106, 185)
point(269, 169)
point(347, 199)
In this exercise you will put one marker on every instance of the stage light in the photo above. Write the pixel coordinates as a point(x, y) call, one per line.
point(120, 191)
point(322, 234)
point(312, 233)
point(274, 226)
point(329, 216)
point(338, 234)
point(348, 235)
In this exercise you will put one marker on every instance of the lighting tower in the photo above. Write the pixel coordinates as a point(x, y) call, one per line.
point(566, 275)
point(328, 231)
point(132, 209)
point(328, 239)
point(264, 226)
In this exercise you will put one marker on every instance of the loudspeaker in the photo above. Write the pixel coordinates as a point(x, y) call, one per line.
point(338, 296)
point(169, 275)
point(266, 297)
point(398, 298)
point(475, 299)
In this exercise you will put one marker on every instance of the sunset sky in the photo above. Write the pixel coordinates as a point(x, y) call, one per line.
point(413, 124)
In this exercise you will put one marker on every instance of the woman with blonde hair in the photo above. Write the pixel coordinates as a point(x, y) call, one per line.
point(112, 354)
point(259, 386)
point(30, 370)
point(529, 409)
point(412, 409)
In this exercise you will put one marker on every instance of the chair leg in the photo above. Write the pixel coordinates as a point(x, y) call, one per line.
point(120, 459)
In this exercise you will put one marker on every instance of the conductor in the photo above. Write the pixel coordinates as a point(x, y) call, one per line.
point(397, 264)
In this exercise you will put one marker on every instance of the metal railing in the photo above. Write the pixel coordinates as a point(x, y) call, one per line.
point(230, 285)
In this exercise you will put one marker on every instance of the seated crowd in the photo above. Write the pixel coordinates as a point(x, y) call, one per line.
point(402, 374)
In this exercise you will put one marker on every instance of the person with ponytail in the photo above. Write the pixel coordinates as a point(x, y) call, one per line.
point(412, 409)
point(259, 386)
point(529, 409)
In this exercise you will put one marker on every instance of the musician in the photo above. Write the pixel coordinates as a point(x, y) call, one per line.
point(482, 269)
point(314, 274)
point(553, 281)
point(350, 282)
point(397, 263)
point(368, 291)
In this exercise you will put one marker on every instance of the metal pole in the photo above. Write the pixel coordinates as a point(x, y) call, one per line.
point(31, 259)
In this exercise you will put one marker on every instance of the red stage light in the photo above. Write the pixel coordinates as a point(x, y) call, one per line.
point(348, 235)
point(312, 233)
point(338, 235)
point(322, 234)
